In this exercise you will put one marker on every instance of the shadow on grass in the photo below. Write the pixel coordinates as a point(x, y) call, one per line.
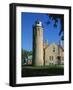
point(30, 71)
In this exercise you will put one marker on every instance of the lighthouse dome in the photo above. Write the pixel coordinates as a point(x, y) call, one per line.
point(38, 23)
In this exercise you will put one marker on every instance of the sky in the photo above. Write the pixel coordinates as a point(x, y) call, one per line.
point(50, 33)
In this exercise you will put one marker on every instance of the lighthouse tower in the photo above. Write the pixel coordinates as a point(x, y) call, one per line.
point(38, 44)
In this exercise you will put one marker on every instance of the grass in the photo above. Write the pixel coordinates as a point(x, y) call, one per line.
point(50, 70)
point(43, 67)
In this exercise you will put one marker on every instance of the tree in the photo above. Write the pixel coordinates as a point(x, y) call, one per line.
point(55, 17)
point(25, 55)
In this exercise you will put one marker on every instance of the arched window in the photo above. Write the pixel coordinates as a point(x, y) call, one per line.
point(51, 58)
point(53, 48)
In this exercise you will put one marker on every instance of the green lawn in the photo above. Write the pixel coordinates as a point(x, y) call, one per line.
point(50, 70)
point(43, 67)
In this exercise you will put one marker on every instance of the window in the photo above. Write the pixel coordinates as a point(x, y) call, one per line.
point(51, 58)
point(53, 49)
point(51, 63)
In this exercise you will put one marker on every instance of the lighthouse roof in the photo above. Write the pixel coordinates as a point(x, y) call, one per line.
point(38, 23)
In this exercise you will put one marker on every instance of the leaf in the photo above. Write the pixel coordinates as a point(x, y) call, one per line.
point(62, 38)
point(48, 22)
point(55, 25)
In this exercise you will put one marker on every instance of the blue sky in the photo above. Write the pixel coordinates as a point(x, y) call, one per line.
point(50, 32)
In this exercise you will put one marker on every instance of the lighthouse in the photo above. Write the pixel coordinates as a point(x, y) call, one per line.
point(38, 44)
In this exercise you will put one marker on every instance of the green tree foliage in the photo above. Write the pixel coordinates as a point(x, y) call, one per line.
point(26, 53)
point(55, 17)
